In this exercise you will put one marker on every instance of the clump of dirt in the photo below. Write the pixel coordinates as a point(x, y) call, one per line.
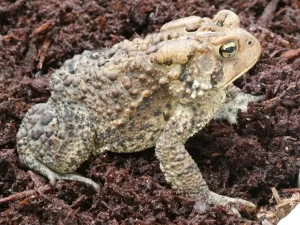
point(244, 160)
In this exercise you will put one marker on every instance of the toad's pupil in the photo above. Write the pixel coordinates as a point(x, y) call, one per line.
point(229, 49)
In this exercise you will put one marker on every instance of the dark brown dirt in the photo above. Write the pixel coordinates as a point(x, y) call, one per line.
point(245, 160)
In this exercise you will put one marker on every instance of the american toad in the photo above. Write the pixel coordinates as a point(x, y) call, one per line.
point(157, 91)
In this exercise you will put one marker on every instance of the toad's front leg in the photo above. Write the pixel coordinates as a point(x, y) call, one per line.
point(179, 168)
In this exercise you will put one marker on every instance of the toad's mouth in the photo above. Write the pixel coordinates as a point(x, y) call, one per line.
point(197, 89)
point(225, 83)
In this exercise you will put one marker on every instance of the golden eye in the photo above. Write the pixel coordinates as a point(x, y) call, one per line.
point(228, 50)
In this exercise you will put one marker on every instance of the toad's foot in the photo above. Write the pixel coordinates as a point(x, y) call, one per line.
point(39, 167)
point(216, 199)
point(235, 100)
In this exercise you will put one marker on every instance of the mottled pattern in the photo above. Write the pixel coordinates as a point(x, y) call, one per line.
point(157, 91)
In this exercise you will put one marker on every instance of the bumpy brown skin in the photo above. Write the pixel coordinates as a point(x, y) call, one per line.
point(156, 91)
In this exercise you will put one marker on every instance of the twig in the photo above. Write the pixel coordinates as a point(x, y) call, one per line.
point(24, 194)
point(276, 195)
point(268, 13)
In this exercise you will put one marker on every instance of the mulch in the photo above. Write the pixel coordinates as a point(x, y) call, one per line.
point(244, 160)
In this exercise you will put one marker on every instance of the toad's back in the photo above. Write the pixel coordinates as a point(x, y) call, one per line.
point(127, 100)
point(100, 101)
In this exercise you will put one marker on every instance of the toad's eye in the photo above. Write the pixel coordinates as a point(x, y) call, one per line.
point(228, 50)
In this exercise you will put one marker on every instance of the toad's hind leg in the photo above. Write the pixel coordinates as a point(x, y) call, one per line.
point(54, 140)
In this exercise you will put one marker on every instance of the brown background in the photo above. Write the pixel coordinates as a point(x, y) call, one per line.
point(244, 160)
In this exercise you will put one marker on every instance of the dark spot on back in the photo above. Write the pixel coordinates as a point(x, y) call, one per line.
point(146, 101)
point(166, 116)
point(142, 106)
point(130, 139)
point(146, 126)
point(168, 105)
point(193, 123)
point(183, 75)
point(157, 112)
point(73, 160)
point(71, 134)
point(121, 143)
point(140, 137)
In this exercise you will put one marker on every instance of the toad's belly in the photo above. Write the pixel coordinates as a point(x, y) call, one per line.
point(126, 141)
point(138, 131)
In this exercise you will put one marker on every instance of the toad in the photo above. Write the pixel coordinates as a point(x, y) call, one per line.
point(153, 91)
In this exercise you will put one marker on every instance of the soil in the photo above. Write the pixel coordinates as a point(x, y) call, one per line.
point(243, 160)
